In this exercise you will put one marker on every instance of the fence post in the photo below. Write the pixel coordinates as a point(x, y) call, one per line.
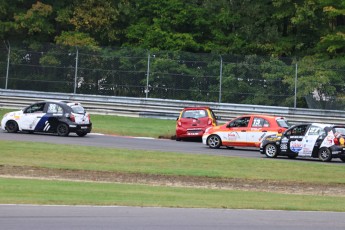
point(220, 79)
point(76, 72)
point(295, 99)
point(147, 75)
point(8, 46)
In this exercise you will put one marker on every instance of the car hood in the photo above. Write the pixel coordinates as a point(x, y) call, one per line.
point(14, 113)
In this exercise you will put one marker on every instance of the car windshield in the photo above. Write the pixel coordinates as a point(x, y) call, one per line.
point(194, 113)
point(283, 123)
point(77, 109)
point(340, 130)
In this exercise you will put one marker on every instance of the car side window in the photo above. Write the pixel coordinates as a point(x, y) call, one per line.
point(54, 108)
point(299, 130)
point(240, 122)
point(36, 108)
point(314, 130)
point(260, 122)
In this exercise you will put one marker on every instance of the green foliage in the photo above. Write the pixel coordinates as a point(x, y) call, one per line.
point(308, 30)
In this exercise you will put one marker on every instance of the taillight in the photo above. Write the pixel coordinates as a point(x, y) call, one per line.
point(280, 131)
point(88, 117)
point(179, 123)
point(72, 117)
point(336, 141)
point(209, 121)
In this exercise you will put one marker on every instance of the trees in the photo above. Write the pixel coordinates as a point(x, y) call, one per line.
point(265, 33)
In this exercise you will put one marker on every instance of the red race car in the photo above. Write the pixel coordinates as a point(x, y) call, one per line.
point(193, 121)
point(244, 131)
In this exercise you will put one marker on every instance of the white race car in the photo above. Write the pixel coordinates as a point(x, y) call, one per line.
point(314, 140)
point(49, 117)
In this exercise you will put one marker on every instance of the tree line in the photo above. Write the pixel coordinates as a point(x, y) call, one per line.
point(308, 32)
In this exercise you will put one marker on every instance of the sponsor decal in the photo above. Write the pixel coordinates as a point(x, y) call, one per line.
point(283, 147)
point(296, 146)
point(328, 141)
point(285, 140)
point(262, 136)
point(296, 137)
point(233, 136)
point(46, 126)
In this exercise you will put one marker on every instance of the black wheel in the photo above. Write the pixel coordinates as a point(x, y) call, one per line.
point(271, 151)
point(81, 133)
point(11, 127)
point(62, 129)
point(325, 154)
point(214, 141)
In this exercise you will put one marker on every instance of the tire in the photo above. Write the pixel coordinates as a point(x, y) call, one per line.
point(12, 127)
point(81, 133)
point(62, 129)
point(214, 142)
point(271, 151)
point(325, 154)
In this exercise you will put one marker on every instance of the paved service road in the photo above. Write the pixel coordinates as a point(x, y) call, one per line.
point(18, 217)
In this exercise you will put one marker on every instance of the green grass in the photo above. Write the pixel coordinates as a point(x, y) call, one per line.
point(29, 191)
point(154, 162)
point(21, 191)
point(133, 126)
point(128, 126)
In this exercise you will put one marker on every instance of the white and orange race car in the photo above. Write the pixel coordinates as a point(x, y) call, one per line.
point(244, 131)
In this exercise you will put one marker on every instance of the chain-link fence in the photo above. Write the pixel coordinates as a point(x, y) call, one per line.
point(133, 72)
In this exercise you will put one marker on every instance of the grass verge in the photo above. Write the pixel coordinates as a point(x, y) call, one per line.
point(33, 191)
point(21, 191)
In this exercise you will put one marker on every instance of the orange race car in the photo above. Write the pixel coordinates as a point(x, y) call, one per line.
point(244, 131)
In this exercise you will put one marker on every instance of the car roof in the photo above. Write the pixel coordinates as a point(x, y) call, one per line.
point(323, 125)
point(264, 116)
point(196, 108)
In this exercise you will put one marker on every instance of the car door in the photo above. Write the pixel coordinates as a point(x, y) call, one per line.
point(31, 116)
point(49, 121)
point(295, 139)
point(309, 140)
point(236, 133)
point(260, 128)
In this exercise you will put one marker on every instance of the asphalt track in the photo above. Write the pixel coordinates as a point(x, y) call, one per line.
point(18, 217)
point(143, 143)
point(137, 143)
point(90, 217)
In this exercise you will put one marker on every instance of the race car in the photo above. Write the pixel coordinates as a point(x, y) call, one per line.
point(49, 117)
point(244, 131)
point(193, 121)
point(312, 140)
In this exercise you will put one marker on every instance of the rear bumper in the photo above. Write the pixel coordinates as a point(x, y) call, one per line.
point(80, 128)
point(190, 133)
point(338, 151)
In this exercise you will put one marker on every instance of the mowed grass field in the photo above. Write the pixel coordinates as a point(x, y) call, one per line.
point(53, 191)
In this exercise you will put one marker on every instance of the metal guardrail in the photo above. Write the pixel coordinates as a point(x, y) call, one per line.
point(165, 109)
